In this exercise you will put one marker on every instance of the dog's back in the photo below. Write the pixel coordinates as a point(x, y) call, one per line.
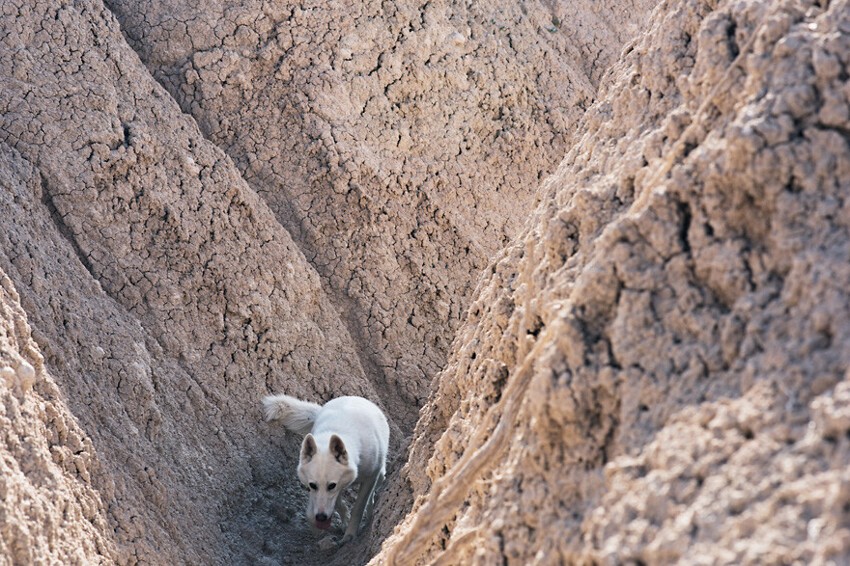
point(363, 428)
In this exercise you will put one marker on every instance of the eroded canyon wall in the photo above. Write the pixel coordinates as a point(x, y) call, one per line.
point(148, 206)
point(400, 143)
point(163, 295)
point(640, 354)
point(657, 371)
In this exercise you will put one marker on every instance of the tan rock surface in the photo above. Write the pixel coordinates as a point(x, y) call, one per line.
point(642, 357)
point(400, 143)
point(656, 371)
point(51, 512)
point(164, 296)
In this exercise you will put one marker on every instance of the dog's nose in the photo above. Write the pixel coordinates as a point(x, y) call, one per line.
point(321, 517)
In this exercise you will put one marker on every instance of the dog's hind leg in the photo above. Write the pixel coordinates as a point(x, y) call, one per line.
point(370, 507)
point(367, 488)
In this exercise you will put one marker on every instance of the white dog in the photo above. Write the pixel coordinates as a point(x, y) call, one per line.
point(346, 441)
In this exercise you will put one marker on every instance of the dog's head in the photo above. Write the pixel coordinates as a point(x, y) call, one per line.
point(325, 469)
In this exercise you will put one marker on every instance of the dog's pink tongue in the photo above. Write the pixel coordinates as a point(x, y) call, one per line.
point(324, 525)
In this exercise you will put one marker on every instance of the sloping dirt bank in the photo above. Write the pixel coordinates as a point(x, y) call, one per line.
point(658, 369)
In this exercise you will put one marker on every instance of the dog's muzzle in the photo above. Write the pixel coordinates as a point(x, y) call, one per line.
point(323, 521)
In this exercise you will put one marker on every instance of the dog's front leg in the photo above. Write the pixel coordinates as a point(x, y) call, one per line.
point(367, 487)
point(342, 509)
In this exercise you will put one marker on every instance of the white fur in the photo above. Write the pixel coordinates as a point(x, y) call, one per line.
point(346, 441)
point(295, 414)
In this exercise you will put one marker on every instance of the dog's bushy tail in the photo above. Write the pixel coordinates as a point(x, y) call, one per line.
point(295, 414)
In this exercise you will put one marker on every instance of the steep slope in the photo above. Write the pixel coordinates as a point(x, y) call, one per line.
point(50, 512)
point(644, 358)
point(400, 143)
point(658, 369)
point(164, 297)
point(164, 293)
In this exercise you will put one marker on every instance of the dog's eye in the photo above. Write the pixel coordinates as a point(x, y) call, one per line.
point(313, 486)
point(331, 486)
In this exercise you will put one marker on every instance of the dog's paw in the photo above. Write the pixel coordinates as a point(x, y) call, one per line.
point(328, 543)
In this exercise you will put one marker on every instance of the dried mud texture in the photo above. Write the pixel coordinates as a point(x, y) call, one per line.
point(225, 202)
point(400, 143)
point(166, 300)
point(657, 371)
point(50, 512)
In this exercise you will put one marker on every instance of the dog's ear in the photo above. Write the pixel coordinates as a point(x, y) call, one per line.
point(338, 450)
point(308, 448)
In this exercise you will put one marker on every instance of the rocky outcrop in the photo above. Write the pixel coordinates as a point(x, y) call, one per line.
point(657, 370)
point(51, 512)
point(163, 294)
point(158, 272)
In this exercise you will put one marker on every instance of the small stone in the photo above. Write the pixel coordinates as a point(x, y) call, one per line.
point(26, 376)
point(456, 38)
point(8, 374)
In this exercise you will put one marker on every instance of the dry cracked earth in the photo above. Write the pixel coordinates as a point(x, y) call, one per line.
point(591, 258)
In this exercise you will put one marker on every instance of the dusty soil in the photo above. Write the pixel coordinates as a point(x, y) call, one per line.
point(591, 258)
